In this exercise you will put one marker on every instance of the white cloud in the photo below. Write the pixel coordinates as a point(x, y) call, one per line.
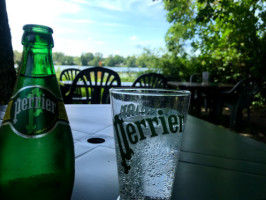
point(87, 25)
point(35, 12)
point(99, 42)
point(148, 43)
point(80, 21)
point(63, 30)
point(111, 5)
point(111, 24)
point(116, 5)
point(79, 1)
point(40, 10)
point(145, 7)
point(116, 52)
point(93, 41)
point(74, 47)
point(122, 5)
point(133, 37)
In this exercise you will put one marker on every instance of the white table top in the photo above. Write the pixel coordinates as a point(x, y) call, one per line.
point(215, 163)
point(96, 173)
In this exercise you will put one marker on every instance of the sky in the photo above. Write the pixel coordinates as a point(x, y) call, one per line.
point(111, 27)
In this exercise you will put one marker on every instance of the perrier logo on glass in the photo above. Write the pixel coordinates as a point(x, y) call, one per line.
point(34, 111)
point(137, 123)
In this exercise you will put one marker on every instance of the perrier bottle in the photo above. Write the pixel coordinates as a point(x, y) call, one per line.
point(36, 144)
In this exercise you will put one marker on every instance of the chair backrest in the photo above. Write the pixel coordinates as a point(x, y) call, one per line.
point(68, 74)
point(92, 85)
point(150, 80)
point(248, 90)
point(196, 78)
point(245, 89)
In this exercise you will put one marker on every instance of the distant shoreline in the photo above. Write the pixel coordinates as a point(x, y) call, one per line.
point(117, 69)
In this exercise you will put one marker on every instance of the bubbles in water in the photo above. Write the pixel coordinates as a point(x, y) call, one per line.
point(152, 167)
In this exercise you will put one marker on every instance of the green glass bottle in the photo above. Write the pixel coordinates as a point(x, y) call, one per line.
point(36, 144)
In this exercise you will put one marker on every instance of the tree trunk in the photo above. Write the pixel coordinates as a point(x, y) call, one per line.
point(7, 70)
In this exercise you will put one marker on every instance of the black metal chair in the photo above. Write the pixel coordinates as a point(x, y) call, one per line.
point(195, 78)
point(68, 74)
point(150, 80)
point(198, 98)
point(238, 98)
point(91, 86)
point(203, 77)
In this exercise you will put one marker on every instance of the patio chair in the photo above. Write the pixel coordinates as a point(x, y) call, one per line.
point(67, 75)
point(198, 97)
point(91, 86)
point(238, 98)
point(195, 78)
point(203, 77)
point(150, 80)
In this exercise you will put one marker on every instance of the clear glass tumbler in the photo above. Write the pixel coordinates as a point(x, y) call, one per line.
point(148, 128)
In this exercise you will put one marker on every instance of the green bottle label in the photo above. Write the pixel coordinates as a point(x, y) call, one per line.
point(34, 111)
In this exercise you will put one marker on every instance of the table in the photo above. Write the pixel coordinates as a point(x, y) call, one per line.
point(202, 93)
point(215, 163)
point(199, 85)
point(69, 83)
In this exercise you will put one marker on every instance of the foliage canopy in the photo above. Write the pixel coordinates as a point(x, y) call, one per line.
point(228, 36)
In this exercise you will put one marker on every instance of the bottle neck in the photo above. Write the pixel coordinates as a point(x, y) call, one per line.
point(37, 61)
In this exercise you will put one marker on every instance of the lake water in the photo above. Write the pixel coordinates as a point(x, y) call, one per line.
point(117, 69)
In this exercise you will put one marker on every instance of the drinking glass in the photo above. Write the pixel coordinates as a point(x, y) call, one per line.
point(148, 128)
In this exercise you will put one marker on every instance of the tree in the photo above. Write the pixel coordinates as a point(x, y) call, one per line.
point(85, 58)
point(171, 66)
point(58, 58)
point(114, 60)
point(131, 61)
point(97, 58)
point(77, 60)
point(7, 70)
point(109, 61)
point(118, 60)
point(68, 60)
point(227, 34)
point(148, 59)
